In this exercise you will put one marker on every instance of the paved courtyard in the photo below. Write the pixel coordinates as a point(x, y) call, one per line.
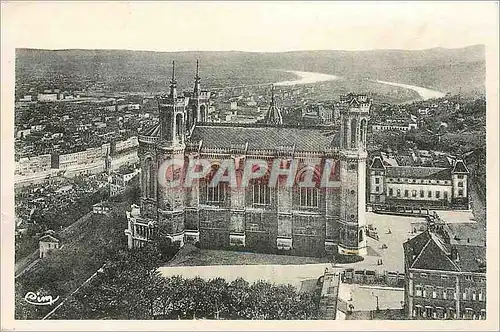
point(392, 257)
point(364, 297)
point(279, 274)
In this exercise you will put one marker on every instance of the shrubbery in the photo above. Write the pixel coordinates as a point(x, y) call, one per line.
point(131, 288)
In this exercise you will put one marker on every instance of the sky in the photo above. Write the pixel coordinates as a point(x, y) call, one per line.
point(248, 26)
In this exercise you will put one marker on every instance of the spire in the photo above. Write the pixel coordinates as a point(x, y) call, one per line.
point(273, 115)
point(173, 83)
point(272, 95)
point(197, 79)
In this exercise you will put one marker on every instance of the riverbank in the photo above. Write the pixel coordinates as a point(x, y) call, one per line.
point(424, 93)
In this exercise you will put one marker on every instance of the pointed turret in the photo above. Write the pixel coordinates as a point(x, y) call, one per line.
point(273, 115)
point(197, 89)
point(173, 83)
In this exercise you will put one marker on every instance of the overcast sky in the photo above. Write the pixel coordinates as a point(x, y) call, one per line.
point(248, 26)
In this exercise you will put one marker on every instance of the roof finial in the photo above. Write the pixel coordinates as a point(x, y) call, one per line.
point(273, 115)
point(197, 69)
point(173, 71)
point(173, 83)
point(272, 94)
point(197, 79)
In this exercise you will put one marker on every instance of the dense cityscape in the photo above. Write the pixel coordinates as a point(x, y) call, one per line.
point(89, 225)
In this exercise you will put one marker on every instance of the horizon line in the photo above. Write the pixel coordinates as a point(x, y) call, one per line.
point(247, 51)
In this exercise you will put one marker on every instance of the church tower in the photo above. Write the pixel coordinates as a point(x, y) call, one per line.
point(172, 115)
point(354, 110)
point(199, 102)
point(273, 115)
point(170, 158)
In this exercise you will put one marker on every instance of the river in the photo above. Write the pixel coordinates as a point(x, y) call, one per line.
point(306, 77)
point(423, 92)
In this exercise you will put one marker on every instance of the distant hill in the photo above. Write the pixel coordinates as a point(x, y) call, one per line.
point(446, 70)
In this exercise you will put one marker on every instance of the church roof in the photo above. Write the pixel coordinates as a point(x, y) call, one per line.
point(419, 172)
point(273, 115)
point(264, 137)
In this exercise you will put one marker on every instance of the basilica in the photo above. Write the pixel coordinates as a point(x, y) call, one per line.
point(304, 221)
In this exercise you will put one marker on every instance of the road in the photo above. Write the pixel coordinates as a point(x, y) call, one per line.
point(101, 269)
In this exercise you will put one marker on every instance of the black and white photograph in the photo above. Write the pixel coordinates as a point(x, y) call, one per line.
point(207, 162)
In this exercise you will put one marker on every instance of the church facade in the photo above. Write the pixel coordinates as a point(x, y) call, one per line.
point(299, 220)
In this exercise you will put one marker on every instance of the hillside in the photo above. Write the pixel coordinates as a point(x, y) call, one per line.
point(446, 70)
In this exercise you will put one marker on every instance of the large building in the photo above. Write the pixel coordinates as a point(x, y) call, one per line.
point(418, 186)
point(121, 178)
point(310, 221)
point(35, 164)
point(445, 278)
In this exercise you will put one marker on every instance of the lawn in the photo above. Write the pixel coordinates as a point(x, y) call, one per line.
point(192, 256)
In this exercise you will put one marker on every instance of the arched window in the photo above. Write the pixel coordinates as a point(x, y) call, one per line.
point(346, 133)
point(309, 178)
point(360, 235)
point(354, 133)
point(194, 116)
point(261, 193)
point(362, 129)
point(179, 129)
point(216, 194)
point(149, 177)
point(203, 113)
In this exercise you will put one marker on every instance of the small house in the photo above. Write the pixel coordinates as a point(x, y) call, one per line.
point(101, 208)
point(47, 243)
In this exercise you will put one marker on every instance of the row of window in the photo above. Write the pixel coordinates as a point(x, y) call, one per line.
point(421, 193)
point(468, 294)
point(261, 195)
point(460, 184)
point(424, 181)
point(444, 277)
point(459, 176)
point(429, 312)
point(305, 225)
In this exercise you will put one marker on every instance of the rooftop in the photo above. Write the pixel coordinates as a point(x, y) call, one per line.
point(419, 172)
point(264, 137)
point(429, 251)
point(48, 238)
point(471, 258)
